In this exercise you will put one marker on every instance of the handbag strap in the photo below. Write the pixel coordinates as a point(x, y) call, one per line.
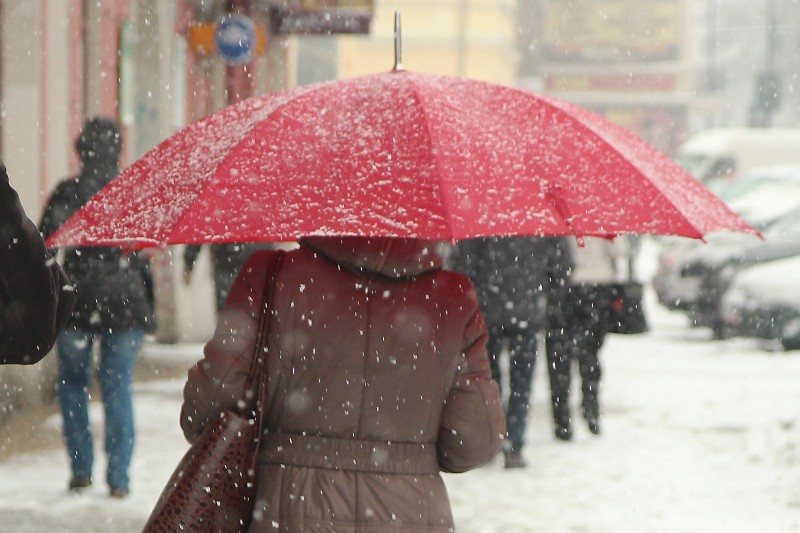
point(258, 364)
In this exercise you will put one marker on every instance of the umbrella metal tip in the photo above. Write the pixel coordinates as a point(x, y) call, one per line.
point(398, 44)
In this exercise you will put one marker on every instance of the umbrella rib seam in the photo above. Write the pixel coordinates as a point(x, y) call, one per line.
point(579, 122)
point(229, 152)
point(442, 190)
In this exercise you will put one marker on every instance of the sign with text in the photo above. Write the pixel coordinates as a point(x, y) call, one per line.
point(322, 16)
point(633, 82)
point(317, 5)
point(611, 31)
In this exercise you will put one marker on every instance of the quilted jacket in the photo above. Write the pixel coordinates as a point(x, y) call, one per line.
point(378, 380)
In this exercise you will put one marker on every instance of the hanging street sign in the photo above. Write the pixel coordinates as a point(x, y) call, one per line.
point(235, 39)
point(321, 16)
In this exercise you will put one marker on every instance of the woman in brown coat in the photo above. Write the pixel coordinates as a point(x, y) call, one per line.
point(378, 379)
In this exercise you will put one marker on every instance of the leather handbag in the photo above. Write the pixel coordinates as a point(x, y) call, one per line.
point(213, 487)
point(627, 312)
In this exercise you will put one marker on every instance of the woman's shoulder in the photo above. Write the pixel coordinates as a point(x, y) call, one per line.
point(455, 290)
point(261, 262)
point(457, 280)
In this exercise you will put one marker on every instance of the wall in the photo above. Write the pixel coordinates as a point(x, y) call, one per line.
point(35, 140)
point(625, 61)
point(36, 143)
point(470, 38)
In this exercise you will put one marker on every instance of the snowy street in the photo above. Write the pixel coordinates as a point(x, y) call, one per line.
point(577, 160)
point(697, 435)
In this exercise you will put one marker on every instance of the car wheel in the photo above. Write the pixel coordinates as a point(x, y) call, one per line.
point(719, 331)
point(790, 344)
point(790, 335)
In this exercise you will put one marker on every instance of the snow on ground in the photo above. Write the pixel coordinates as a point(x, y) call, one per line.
point(698, 436)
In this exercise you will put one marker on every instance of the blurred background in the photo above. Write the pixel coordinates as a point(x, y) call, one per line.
point(711, 83)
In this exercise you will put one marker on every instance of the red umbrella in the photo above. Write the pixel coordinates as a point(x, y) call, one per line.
point(397, 154)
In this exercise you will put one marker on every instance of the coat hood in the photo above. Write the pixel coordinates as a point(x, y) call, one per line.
point(98, 145)
point(99, 140)
point(391, 257)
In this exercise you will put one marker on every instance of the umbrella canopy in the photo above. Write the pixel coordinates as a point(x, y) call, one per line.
point(397, 154)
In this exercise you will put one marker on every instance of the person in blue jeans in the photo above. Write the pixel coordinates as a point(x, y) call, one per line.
point(118, 352)
point(114, 309)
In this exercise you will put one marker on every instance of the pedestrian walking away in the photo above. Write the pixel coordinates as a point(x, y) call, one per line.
point(578, 321)
point(511, 275)
point(226, 260)
point(377, 380)
point(114, 309)
point(35, 295)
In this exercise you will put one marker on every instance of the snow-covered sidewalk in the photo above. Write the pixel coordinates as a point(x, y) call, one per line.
point(697, 436)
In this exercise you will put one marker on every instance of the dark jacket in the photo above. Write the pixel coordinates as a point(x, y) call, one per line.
point(378, 378)
point(512, 275)
point(114, 288)
point(35, 295)
point(226, 258)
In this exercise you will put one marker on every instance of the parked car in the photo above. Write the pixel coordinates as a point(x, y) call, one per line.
point(761, 196)
point(695, 281)
point(715, 273)
point(727, 152)
point(763, 301)
point(677, 291)
point(732, 189)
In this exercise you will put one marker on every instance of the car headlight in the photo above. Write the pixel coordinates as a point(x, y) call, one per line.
point(735, 297)
point(726, 273)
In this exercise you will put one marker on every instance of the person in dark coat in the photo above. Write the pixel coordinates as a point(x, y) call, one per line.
point(226, 260)
point(512, 276)
point(114, 308)
point(578, 320)
point(35, 294)
point(377, 380)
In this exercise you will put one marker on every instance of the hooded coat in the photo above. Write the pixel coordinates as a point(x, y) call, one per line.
point(378, 379)
point(35, 294)
point(114, 288)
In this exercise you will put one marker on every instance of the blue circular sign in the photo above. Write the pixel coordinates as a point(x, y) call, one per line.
point(236, 39)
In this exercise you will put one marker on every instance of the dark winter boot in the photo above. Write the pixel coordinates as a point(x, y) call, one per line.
point(591, 412)
point(563, 432)
point(80, 483)
point(514, 459)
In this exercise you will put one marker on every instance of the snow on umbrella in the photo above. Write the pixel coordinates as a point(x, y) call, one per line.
point(397, 154)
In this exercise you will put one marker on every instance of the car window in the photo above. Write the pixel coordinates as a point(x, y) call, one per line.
point(723, 167)
point(728, 190)
point(787, 226)
point(767, 203)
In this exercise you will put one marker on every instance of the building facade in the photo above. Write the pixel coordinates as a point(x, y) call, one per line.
point(626, 60)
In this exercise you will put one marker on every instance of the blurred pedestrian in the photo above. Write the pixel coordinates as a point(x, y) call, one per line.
point(35, 294)
point(226, 260)
point(114, 309)
point(512, 276)
point(377, 380)
point(578, 321)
